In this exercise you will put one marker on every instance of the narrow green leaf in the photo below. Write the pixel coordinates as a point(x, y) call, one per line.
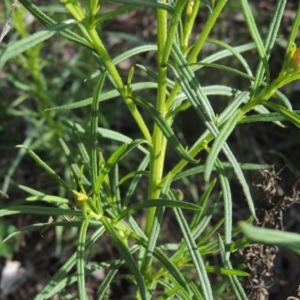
point(155, 230)
point(50, 288)
point(224, 271)
point(202, 203)
point(194, 92)
point(269, 117)
point(109, 15)
point(147, 3)
point(225, 53)
point(93, 129)
point(107, 133)
point(220, 141)
point(45, 166)
point(153, 203)
point(234, 282)
point(284, 239)
point(74, 167)
point(126, 255)
point(172, 30)
point(236, 53)
point(118, 154)
point(129, 193)
point(195, 255)
point(104, 96)
point(93, 224)
point(38, 210)
point(200, 169)
point(48, 198)
point(167, 263)
point(30, 190)
point(291, 116)
point(255, 35)
point(80, 260)
point(47, 22)
point(270, 40)
point(24, 44)
point(226, 193)
point(165, 128)
point(170, 290)
point(127, 54)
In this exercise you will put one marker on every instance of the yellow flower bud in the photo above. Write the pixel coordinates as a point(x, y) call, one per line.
point(295, 59)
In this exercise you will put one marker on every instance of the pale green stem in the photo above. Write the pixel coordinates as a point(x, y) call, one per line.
point(100, 49)
point(159, 141)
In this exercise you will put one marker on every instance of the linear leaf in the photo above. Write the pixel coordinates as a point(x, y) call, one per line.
point(195, 254)
point(235, 284)
point(126, 255)
point(156, 225)
point(272, 237)
point(45, 166)
point(80, 260)
point(30, 41)
point(201, 104)
point(165, 261)
point(48, 198)
point(105, 133)
point(151, 203)
point(289, 115)
point(200, 169)
point(94, 127)
point(164, 127)
point(38, 210)
point(255, 35)
point(220, 141)
point(202, 203)
point(147, 3)
point(74, 167)
point(270, 117)
point(270, 40)
point(127, 54)
point(129, 193)
point(50, 288)
point(30, 190)
point(104, 96)
point(226, 193)
point(47, 21)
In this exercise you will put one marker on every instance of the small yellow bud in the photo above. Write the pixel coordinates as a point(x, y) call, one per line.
point(190, 7)
point(295, 59)
point(80, 197)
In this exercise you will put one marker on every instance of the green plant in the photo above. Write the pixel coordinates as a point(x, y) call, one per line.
point(94, 186)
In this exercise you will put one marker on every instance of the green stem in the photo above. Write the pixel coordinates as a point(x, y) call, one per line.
point(206, 31)
point(100, 49)
point(159, 141)
point(191, 13)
